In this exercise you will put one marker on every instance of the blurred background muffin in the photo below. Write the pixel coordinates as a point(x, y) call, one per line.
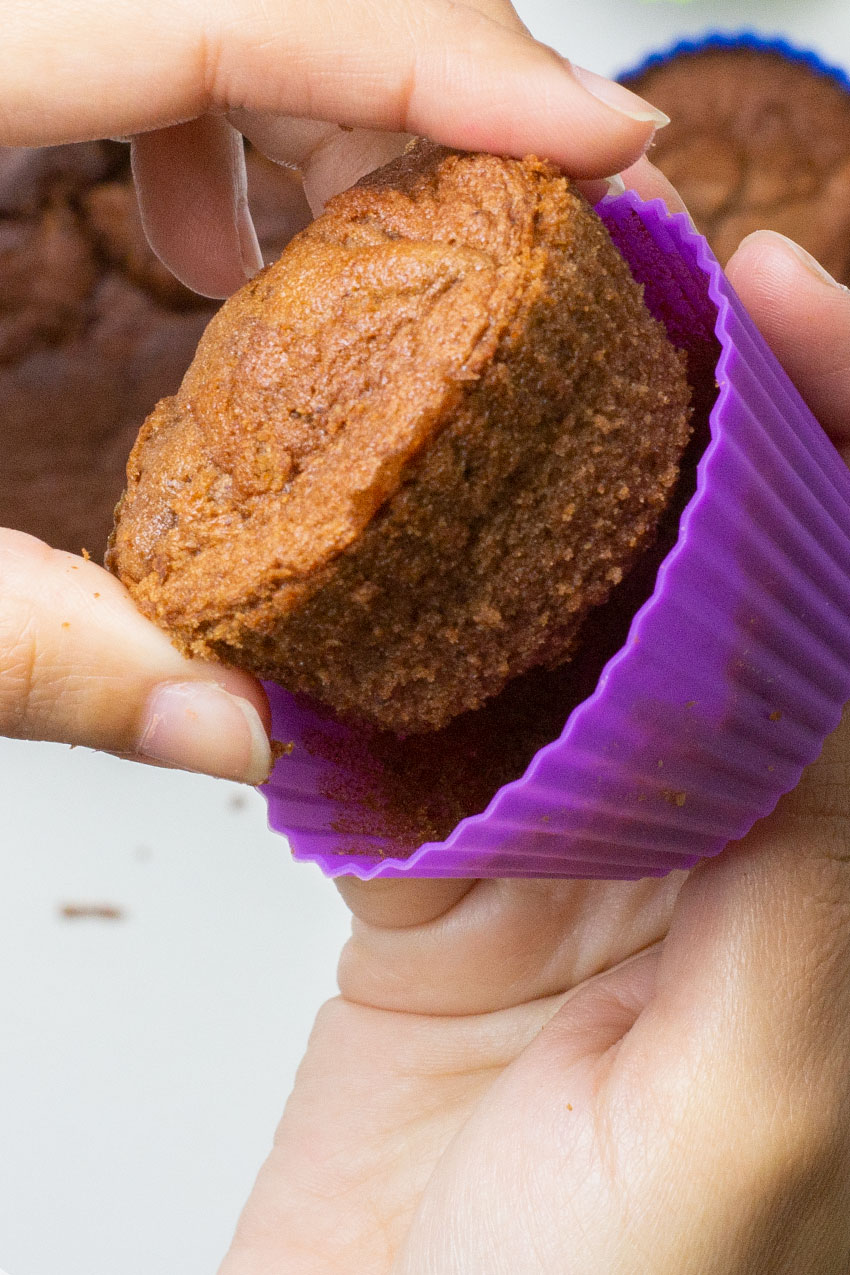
point(93, 329)
point(759, 138)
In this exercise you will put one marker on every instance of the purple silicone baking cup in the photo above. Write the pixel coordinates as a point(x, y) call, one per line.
point(733, 673)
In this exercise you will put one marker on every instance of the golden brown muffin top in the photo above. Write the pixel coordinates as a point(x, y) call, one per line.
point(319, 381)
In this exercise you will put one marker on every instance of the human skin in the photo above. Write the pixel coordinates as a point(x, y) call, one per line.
point(591, 1078)
point(518, 1077)
point(182, 78)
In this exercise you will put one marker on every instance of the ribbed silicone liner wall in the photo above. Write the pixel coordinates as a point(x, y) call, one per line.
point(732, 675)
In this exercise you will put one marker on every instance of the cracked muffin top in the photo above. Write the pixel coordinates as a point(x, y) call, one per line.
point(411, 455)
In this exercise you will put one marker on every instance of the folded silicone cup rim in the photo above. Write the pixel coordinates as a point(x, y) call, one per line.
point(731, 676)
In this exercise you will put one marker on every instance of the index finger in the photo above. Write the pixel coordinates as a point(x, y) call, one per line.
point(433, 67)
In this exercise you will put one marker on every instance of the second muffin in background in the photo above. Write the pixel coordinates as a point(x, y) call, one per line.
point(759, 139)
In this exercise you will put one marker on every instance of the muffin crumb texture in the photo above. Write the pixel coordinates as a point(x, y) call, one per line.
point(411, 456)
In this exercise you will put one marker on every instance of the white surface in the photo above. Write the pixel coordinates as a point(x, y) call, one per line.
point(144, 1062)
point(612, 35)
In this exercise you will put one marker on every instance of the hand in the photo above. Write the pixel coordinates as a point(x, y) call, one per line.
point(531, 1077)
point(180, 75)
point(77, 663)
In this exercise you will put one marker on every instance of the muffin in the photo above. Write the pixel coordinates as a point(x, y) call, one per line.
point(725, 671)
point(759, 139)
point(411, 456)
point(93, 329)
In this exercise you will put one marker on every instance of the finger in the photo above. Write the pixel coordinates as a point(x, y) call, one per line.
point(535, 1130)
point(437, 68)
point(599, 1013)
point(805, 317)
point(399, 905)
point(436, 947)
point(334, 1194)
point(191, 183)
point(643, 178)
point(650, 183)
point(500, 11)
point(759, 947)
point(79, 664)
point(330, 158)
point(192, 187)
point(596, 188)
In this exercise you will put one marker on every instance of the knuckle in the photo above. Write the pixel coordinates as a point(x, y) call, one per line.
point(329, 1025)
point(36, 671)
point(231, 48)
point(210, 55)
point(222, 41)
point(19, 660)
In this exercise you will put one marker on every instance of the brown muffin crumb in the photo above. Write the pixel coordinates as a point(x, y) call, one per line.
point(411, 456)
point(418, 788)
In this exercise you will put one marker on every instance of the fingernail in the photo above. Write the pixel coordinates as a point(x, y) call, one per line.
point(199, 726)
point(806, 259)
point(616, 185)
point(620, 98)
point(249, 244)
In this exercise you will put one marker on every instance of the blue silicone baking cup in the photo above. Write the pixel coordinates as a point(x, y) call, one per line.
point(743, 39)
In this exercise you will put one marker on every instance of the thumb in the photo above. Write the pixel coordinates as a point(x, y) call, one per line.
point(804, 314)
point(759, 948)
point(770, 896)
point(80, 665)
